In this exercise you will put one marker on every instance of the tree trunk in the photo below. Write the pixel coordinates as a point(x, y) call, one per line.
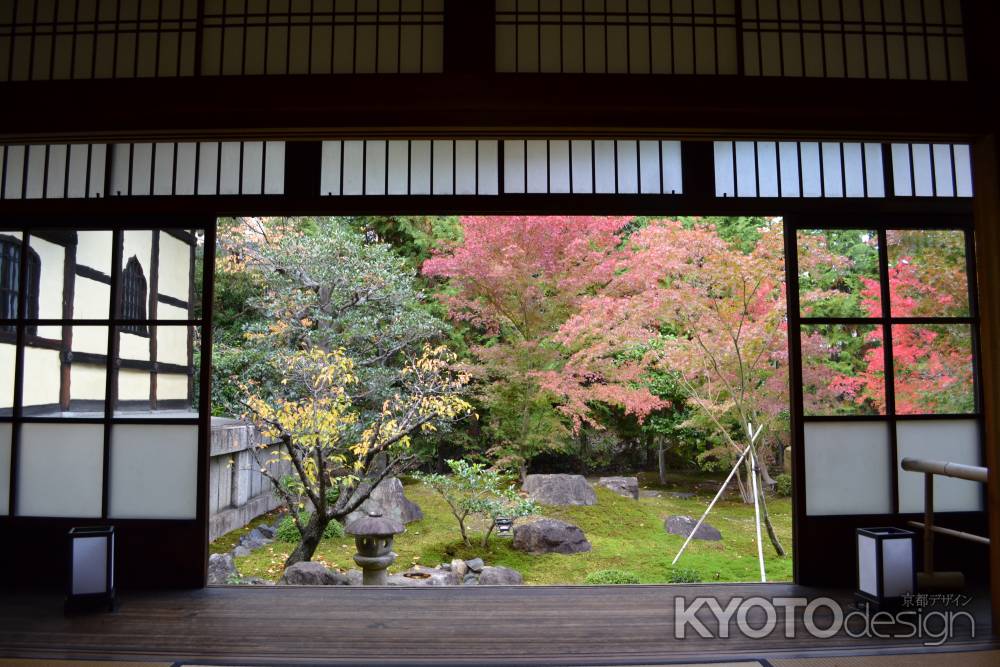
point(775, 542)
point(746, 490)
point(661, 461)
point(522, 470)
point(486, 538)
point(764, 476)
point(311, 536)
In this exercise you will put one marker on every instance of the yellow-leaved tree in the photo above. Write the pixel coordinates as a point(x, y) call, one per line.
point(337, 459)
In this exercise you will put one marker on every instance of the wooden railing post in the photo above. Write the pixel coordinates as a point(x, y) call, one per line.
point(929, 524)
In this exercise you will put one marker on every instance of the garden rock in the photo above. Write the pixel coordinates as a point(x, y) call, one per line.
point(267, 531)
point(254, 539)
point(418, 575)
point(683, 525)
point(559, 490)
point(459, 567)
point(499, 576)
point(623, 486)
point(681, 495)
point(389, 499)
point(240, 551)
point(307, 573)
point(550, 536)
point(476, 564)
point(471, 580)
point(221, 568)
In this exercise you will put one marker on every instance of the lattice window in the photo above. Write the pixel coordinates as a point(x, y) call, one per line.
point(864, 39)
point(97, 39)
point(798, 169)
point(617, 36)
point(73, 171)
point(10, 284)
point(494, 167)
point(323, 36)
point(134, 297)
point(410, 167)
point(203, 168)
point(931, 170)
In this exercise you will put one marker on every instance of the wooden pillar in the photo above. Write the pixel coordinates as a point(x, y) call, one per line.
point(987, 224)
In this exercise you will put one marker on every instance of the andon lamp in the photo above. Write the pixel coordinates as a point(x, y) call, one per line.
point(886, 569)
point(91, 569)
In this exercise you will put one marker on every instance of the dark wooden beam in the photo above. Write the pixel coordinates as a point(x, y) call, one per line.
point(987, 221)
point(316, 106)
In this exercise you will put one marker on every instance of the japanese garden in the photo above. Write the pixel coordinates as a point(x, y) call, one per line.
point(555, 400)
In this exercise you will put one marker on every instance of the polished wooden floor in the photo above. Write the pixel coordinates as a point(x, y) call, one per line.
point(481, 626)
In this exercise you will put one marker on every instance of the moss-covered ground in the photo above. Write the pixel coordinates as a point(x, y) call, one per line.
point(626, 534)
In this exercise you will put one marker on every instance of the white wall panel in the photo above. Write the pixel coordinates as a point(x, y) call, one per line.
point(153, 472)
point(954, 440)
point(59, 470)
point(848, 468)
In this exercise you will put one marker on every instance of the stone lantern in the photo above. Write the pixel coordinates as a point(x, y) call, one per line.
point(373, 535)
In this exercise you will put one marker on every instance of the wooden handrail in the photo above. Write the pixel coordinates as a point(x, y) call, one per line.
point(946, 468)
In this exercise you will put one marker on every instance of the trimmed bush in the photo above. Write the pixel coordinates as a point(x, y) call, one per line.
point(783, 485)
point(612, 577)
point(683, 575)
point(287, 532)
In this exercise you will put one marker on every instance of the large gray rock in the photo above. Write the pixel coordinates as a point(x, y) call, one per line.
point(623, 486)
point(254, 539)
point(418, 575)
point(499, 576)
point(306, 573)
point(221, 568)
point(389, 499)
point(559, 490)
point(550, 536)
point(679, 524)
point(475, 564)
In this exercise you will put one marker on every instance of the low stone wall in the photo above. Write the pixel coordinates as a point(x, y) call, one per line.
point(238, 491)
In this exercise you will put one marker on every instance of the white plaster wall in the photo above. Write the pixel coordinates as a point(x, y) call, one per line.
point(168, 312)
point(7, 376)
point(133, 385)
point(88, 382)
point(175, 268)
point(90, 339)
point(131, 346)
point(93, 250)
point(171, 344)
point(171, 386)
point(41, 376)
point(91, 299)
point(50, 284)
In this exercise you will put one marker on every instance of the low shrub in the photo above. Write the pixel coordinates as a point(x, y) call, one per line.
point(783, 485)
point(683, 575)
point(287, 532)
point(612, 577)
